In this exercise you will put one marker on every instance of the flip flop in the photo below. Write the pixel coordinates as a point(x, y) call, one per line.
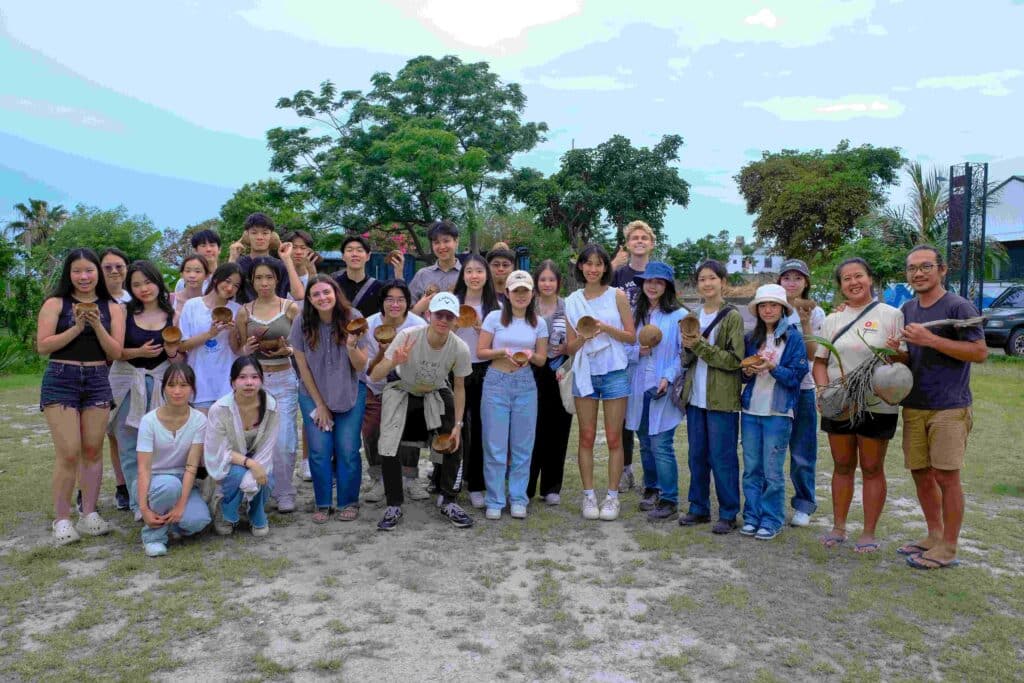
point(912, 549)
point(918, 562)
point(831, 540)
point(866, 548)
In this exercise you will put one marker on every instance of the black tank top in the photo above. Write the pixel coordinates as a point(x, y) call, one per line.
point(135, 337)
point(85, 348)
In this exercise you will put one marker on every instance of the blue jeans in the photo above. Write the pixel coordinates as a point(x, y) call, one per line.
point(164, 492)
point(765, 441)
point(233, 497)
point(658, 456)
point(803, 452)
point(711, 436)
point(334, 455)
point(508, 399)
point(127, 440)
point(612, 385)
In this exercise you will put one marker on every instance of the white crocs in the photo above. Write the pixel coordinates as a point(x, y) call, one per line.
point(93, 525)
point(64, 532)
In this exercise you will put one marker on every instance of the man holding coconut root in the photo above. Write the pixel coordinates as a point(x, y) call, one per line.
point(937, 413)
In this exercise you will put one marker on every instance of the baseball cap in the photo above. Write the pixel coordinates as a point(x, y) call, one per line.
point(518, 279)
point(444, 301)
point(797, 265)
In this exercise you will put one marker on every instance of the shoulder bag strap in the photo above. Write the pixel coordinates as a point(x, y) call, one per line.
point(363, 290)
point(853, 322)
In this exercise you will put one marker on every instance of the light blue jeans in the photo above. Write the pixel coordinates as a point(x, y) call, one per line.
point(284, 387)
point(233, 497)
point(164, 492)
point(658, 456)
point(334, 455)
point(508, 399)
point(127, 442)
point(765, 442)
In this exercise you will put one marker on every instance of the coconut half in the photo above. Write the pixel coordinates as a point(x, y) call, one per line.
point(892, 383)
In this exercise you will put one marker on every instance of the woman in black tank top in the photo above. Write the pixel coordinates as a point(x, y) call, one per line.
point(136, 377)
point(80, 328)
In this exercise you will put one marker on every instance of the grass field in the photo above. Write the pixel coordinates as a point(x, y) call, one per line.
point(554, 597)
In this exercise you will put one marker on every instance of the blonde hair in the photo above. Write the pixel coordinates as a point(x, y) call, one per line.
point(637, 225)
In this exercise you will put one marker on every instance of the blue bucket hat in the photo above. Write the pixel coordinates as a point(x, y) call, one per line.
point(659, 270)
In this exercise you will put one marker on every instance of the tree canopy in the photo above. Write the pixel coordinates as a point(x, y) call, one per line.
point(809, 202)
point(688, 254)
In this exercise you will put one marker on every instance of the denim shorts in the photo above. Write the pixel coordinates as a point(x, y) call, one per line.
point(76, 386)
point(614, 384)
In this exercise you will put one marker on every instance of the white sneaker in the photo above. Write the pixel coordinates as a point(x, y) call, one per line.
point(493, 513)
point(93, 525)
point(415, 489)
point(375, 493)
point(552, 499)
point(800, 519)
point(476, 499)
point(590, 510)
point(221, 526)
point(261, 530)
point(155, 549)
point(64, 532)
point(304, 471)
point(518, 511)
point(610, 509)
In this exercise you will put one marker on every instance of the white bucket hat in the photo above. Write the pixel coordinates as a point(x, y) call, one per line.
point(770, 293)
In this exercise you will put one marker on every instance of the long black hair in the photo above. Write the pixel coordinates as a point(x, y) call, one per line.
point(594, 250)
point(667, 302)
point(488, 297)
point(223, 272)
point(241, 363)
point(759, 335)
point(150, 272)
point(340, 315)
point(65, 288)
point(530, 313)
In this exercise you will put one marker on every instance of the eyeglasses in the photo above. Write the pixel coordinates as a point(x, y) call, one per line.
point(114, 269)
point(923, 268)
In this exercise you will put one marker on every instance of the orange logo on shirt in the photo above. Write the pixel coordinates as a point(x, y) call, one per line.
point(870, 325)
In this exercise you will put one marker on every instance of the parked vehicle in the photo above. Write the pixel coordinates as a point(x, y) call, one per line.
point(1004, 321)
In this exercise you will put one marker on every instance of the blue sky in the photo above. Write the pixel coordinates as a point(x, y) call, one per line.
point(163, 106)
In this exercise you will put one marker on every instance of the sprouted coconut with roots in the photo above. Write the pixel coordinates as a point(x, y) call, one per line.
point(847, 396)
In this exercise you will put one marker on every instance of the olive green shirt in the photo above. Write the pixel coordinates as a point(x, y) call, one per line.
point(723, 359)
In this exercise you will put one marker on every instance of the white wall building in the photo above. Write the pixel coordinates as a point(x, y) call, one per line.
point(761, 261)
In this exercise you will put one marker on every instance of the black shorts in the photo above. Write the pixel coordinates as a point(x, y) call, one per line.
point(76, 386)
point(881, 426)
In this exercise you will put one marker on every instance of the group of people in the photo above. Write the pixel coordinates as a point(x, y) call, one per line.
point(202, 389)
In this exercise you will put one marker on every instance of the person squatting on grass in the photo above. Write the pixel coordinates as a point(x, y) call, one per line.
point(712, 391)
point(241, 436)
point(937, 414)
point(475, 289)
point(80, 327)
point(331, 397)
point(652, 370)
point(795, 277)
point(513, 339)
point(170, 447)
point(599, 371)
point(770, 395)
point(863, 323)
point(394, 311)
point(417, 404)
point(145, 356)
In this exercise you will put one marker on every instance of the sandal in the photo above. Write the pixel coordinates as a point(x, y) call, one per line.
point(321, 516)
point(64, 532)
point(348, 514)
point(831, 540)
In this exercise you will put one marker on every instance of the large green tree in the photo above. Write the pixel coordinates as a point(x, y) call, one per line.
point(97, 229)
point(688, 254)
point(428, 142)
point(287, 208)
point(808, 203)
point(601, 189)
point(38, 222)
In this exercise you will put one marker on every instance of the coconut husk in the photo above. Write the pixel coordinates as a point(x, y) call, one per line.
point(393, 257)
point(521, 358)
point(804, 304)
point(356, 327)
point(442, 443)
point(275, 241)
point(272, 345)
point(689, 326)
point(431, 289)
point(750, 361)
point(222, 314)
point(171, 334)
point(385, 334)
point(650, 336)
point(892, 383)
point(84, 307)
point(586, 326)
point(467, 316)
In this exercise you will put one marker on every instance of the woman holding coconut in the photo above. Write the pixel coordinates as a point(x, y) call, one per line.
point(859, 426)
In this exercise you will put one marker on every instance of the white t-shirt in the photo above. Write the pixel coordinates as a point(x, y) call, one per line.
point(764, 383)
point(170, 449)
point(427, 368)
point(699, 388)
point(882, 322)
point(518, 336)
point(124, 297)
point(210, 361)
point(817, 320)
point(372, 347)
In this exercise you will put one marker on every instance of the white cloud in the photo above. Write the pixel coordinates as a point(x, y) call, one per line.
point(51, 110)
point(821, 109)
point(992, 83)
point(488, 26)
point(763, 17)
point(582, 83)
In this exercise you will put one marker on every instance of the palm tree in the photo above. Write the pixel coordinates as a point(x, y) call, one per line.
point(39, 222)
point(928, 203)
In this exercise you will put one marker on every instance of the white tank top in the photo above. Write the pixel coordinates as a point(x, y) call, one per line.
point(613, 356)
